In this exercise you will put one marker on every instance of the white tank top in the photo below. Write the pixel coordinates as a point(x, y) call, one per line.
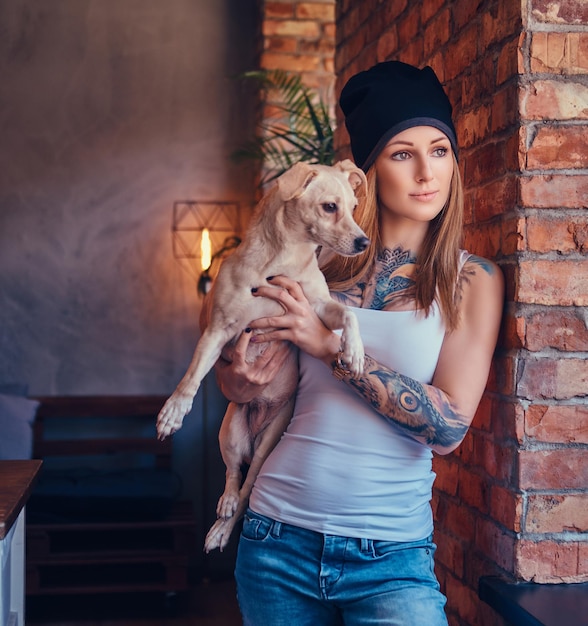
point(340, 467)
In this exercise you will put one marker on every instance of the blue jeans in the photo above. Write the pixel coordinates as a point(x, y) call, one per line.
point(289, 576)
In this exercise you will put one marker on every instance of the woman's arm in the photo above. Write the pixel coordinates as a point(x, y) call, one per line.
point(240, 380)
point(438, 414)
point(423, 411)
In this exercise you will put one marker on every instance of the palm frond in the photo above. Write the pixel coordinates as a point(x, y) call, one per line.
point(302, 130)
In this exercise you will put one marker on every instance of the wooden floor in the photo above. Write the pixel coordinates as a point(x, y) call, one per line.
point(210, 603)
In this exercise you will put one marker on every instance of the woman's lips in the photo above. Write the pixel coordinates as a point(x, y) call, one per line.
point(425, 196)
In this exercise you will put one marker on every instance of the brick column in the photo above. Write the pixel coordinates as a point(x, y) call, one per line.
point(548, 326)
point(298, 37)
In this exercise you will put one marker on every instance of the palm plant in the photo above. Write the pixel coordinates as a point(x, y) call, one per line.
point(302, 130)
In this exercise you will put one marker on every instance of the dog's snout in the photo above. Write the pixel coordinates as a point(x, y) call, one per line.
point(361, 243)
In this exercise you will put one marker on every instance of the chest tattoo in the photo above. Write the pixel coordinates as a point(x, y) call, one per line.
point(394, 275)
point(390, 282)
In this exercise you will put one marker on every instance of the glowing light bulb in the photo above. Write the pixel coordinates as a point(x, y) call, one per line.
point(205, 250)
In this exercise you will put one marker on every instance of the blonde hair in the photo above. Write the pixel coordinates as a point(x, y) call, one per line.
point(437, 266)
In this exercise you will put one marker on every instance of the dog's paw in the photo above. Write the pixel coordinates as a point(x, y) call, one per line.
point(353, 357)
point(218, 535)
point(356, 364)
point(172, 415)
point(227, 505)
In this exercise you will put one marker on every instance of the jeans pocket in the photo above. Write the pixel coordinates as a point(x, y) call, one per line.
point(424, 546)
point(256, 527)
point(383, 548)
point(413, 559)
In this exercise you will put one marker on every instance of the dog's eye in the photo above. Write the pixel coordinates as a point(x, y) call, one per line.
point(329, 207)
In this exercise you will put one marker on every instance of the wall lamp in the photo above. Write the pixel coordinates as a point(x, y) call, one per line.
point(204, 232)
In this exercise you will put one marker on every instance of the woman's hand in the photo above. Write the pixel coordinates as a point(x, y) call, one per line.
point(299, 323)
point(241, 380)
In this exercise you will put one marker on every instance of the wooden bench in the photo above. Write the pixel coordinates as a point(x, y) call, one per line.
point(96, 537)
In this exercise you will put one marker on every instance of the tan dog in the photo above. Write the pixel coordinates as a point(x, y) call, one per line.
point(308, 207)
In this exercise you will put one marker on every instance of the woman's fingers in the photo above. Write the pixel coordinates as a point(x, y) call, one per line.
point(274, 354)
point(288, 293)
point(266, 365)
point(240, 349)
point(292, 287)
point(299, 324)
point(281, 289)
point(274, 357)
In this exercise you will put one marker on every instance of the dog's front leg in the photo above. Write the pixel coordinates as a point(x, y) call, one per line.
point(336, 315)
point(179, 404)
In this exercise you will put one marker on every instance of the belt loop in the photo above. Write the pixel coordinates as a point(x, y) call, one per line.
point(276, 529)
point(367, 546)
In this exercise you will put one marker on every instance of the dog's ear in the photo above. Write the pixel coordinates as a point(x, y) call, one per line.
point(345, 165)
point(355, 175)
point(358, 181)
point(293, 183)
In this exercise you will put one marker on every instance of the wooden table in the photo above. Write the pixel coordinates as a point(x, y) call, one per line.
point(16, 482)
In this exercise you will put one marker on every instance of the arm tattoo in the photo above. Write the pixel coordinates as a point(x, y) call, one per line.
point(421, 411)
point(468, 270)
point(483, 263)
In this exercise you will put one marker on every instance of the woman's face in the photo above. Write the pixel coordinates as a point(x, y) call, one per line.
point(414, 174)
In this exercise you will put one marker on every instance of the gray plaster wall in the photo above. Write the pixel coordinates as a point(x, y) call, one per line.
point(110, 110)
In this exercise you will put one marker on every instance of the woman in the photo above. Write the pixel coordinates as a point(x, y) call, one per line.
point(339, 529)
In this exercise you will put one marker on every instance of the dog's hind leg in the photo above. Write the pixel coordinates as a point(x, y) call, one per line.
point(220, 532)
point(235, 446)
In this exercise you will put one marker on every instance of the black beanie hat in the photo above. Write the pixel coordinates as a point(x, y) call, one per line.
point(389, 98)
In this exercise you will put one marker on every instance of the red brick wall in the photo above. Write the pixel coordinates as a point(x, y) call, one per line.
point(548, 325)
point(299, 37)
point(513, 499)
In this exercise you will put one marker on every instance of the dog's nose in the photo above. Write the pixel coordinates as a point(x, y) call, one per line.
point(361, 243)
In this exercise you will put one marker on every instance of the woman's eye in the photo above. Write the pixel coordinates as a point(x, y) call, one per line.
point(329, 207)
point(401, 156)
point(440, 152)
